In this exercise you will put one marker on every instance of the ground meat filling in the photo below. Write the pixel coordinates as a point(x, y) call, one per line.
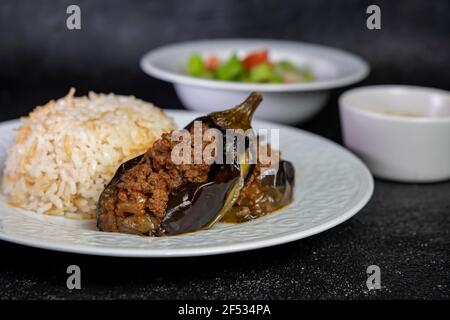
point(145, 188)
point(138, 201)
point(255, 199)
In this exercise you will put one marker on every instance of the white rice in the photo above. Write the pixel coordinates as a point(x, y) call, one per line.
point(67, 150)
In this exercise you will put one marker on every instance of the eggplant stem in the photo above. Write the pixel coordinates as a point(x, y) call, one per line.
point(240, 117)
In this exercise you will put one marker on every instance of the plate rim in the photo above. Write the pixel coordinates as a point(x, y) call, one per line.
point(216, 249)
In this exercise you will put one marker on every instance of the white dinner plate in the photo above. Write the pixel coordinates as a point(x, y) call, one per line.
point(331, 186)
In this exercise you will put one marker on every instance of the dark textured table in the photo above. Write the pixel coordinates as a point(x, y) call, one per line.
point(404, 229)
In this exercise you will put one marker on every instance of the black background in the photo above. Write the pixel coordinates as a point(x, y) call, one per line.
point(405, 227)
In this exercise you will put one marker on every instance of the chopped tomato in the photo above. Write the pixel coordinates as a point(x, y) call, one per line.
point(212, 63)
point(255, 58)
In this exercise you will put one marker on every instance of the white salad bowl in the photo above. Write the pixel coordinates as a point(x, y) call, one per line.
point(287, 103)
point(401, 132)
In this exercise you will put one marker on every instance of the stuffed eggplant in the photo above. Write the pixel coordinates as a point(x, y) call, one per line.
point(152, 195)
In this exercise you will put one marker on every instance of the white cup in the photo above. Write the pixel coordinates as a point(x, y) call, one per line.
point(402, 133)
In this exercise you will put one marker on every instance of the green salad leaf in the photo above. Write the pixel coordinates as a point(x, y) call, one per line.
point(235, 69)
point(196, 67)
point(231, 70)
point(264, 73)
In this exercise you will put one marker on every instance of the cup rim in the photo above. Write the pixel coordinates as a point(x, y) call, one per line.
point(383, 89)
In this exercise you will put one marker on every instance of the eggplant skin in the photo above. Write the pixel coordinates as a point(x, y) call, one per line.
point(193, 206)
point(263, 194)
point(283, 181)
point(106, 217)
